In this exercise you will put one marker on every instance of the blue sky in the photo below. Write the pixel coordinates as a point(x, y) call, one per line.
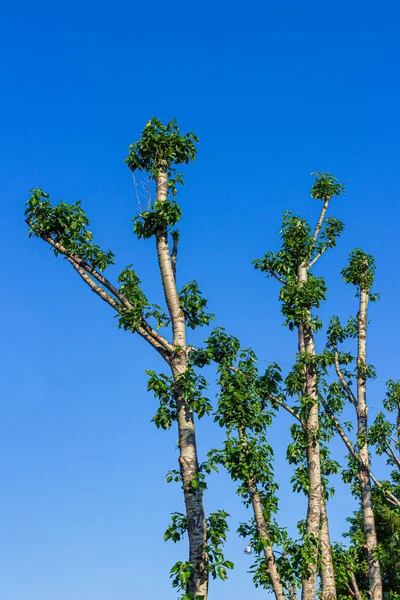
point(274, 92)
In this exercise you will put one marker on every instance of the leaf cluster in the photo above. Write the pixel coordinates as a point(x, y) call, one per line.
point(162, 215)
point(162, 146)
point(186, 388)
point(65, 224)
point(193, 306)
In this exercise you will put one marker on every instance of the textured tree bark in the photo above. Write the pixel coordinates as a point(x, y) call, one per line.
point(371, 542)
point(327, 573)
point(353, 583)
point(188, 461)
point(313, 520)
point(263, 533)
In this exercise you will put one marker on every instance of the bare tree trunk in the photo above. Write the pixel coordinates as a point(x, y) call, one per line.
point(188, 461)
point(263, 533)
point(327, 574)
point(374, 571)
point(307, 347)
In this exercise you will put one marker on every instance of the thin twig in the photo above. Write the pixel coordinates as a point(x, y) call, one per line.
point(343, 381)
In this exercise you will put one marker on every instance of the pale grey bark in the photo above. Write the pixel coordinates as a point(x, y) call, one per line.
point(371, 542)
point(328, 584)
point(188, 461)
point(313, 520)
point(262, 531)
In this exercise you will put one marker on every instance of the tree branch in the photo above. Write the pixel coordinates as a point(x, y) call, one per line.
point(318, 256)
point(393, 453)
point(341, 431)
point(288, 408)
point(343, 381)
point(320, 220)
point(142, 329)
point(389, 496)
point(278, 277)
point(146, 331)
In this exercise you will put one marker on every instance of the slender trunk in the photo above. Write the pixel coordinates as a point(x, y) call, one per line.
point(188, 461)
point(306, 346)
point(327, 572)
point(262, 531)
point(375, 582)
point(321, 219)
point(189, 467)
point(354, 587)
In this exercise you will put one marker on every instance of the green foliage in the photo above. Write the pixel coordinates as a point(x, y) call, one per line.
point(298, 300)
point(392, 399)
point(162, 214)
point(360, 270)
point(217, 527)
point(331, 231)
point(177, 529)
point(162, 146)
point(65, 224)
point(220, 348)
point(187, 387)
point(326, 186)
point(215, 564)
point(193, 305)
point(131, 319)
point(353, 558)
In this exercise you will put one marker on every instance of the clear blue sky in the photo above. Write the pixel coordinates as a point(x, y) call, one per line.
point(274, 91)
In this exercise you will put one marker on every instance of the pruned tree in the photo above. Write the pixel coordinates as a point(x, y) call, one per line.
point(301, 293)
point(158, 153)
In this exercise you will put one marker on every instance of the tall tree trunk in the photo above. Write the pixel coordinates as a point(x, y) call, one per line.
point(374, 571)
point(307, 347)
point(188, 461)
point(327, 573)
point(262, 531)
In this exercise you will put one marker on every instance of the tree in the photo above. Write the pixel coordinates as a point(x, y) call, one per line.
point(360, 273)
point(249, 401)
point(301, 292)
point(65, 228)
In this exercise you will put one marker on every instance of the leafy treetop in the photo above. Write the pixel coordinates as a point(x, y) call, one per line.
point(162, 147)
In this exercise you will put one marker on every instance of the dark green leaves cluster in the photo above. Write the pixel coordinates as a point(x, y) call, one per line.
point(360, 270)
point(67, 225)
point(326, 186)
point(162, 146)
point(193, 306)
point(215, 564)
point(299, 299)
point(130, 319)
point(187, 387)
point(162, 215)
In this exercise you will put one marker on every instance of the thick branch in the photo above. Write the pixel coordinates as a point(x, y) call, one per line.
point(166, 268)
point(146, 331)
point(142, 329)
point(94, 287)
